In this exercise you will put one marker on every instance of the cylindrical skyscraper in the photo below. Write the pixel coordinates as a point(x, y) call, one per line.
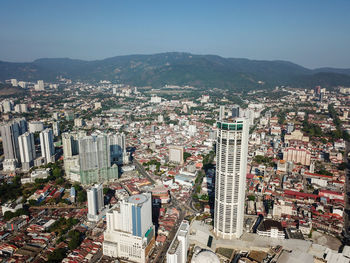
point(230, 183)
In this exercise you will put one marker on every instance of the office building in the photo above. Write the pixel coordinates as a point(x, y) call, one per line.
point(95, 202)
point(177, 252)
point(47, 147)
point(230, 183)
point(95, 159)
point(130, 232)
point(176, 154)
point(27, 150)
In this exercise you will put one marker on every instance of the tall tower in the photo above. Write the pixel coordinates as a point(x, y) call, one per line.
point(46, 144)
point(95, 202)
point(130, 231)
point(27, 150)
point(9, 134)
point(222, 113)
point(95, 159)
point(230, 183)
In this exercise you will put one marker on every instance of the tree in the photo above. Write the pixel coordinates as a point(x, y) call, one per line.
point(75, 237)
point(82, 196)
point(57, 255)
point(186, 155)
point(251, 198)
point(8, 215)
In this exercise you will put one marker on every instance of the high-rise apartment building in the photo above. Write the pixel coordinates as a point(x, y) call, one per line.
point(177, 252)
point(27, 150)
point(118, 148)
point(71, 154)
point(222, 112)
point(9, 134)
point(56, 128)
point(98, 158)
point(130, 232)
point(95, 159)
point(39, 86)
point(47, 147)
point(95, 202)
point(230, 183)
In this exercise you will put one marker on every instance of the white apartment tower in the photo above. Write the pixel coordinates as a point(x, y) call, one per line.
point(222, 113)
point(230, 183)
point(130, 232)
point(9, 135)
point(56, 128)
point(27, 150)
point(177, 252)
point(46, 144)
point(95, 202)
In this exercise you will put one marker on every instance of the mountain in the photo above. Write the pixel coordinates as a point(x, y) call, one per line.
point(207, 71)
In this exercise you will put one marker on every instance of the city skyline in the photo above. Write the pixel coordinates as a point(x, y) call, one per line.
point(311, 34)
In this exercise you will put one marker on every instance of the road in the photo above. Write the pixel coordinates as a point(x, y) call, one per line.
point(56, 207)
point(142, 171)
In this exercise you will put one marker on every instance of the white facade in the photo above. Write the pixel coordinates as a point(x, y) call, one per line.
point(47, 147)
point(192, 130)
point(95, 202)
point(35, 126)
point(156, 99)
point(130, 232)
point(39, 86)
point(56, 128)
point(231, 170)
point(7, 106)
point(221, 113)
point(176, 154)
point(177, 252)
point(14, 82)
point(27, 150)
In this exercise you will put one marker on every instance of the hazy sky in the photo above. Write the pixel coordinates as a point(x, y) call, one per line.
point(313, 33)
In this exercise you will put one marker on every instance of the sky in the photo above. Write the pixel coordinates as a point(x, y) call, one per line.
point(312, 33)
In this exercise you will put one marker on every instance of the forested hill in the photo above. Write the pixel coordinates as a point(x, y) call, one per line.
point(176, 68)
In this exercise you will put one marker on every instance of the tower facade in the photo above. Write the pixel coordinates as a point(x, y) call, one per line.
point(95, 159)
point(46, 144)
point(230, 183)
point(95, 202)
point(130, 232)
point(9, 134)
point(27, 150)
